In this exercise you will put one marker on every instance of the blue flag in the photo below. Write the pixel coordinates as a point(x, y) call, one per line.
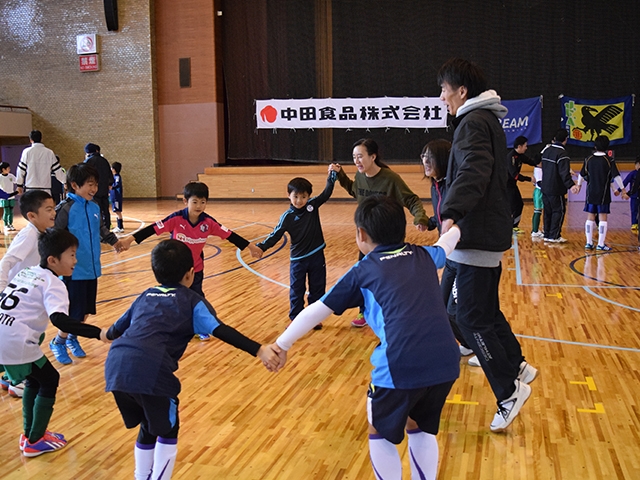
point(587, 119)
point(524, 118)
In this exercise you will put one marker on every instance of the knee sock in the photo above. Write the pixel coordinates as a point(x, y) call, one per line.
point(143, 455)
point(42, 411)
point(164, 458)
point(385, 459)
point(28, 401)
point(589, 226)
point(120, 223)
point(602, 233)
point(535, 223)
point(423, 454)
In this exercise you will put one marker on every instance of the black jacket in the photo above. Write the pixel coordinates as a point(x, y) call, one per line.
point(477, 183)
point(105, 180)
point(556, 170)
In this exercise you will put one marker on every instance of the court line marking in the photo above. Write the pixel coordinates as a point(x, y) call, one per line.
point(529, 337)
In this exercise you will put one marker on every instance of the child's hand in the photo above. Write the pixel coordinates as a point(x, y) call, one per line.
point(334, 167)
point(120, 246)
point(270, 357)
point(575, 189)
point(625, 196)
point(422, 228)
point(256, 252)
point(616, 193)
point(103, 335)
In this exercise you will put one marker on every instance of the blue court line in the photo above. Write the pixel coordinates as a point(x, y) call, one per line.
point(516, 257)
point(579, 344)
point(605, 299)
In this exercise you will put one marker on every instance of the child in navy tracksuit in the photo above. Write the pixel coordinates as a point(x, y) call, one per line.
point(633, 204)
point(302, 222)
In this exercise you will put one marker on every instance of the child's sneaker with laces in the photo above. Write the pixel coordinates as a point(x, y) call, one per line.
point(509, 408)
point(588, 246)
point(59, 351)
point(74, 346)
point(50, 442)
point(603, 248)
point(16, 391)
point(23, 438)
point(359, 321)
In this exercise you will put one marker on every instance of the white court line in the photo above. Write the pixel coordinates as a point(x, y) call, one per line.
point(530, 337)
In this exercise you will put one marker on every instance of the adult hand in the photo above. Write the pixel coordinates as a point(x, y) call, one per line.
point(446, 225)
point(334, 167)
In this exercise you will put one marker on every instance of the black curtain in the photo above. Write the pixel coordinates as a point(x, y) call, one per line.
point(380, 48)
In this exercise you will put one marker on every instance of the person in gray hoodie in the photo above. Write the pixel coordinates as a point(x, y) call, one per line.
point(477, 203)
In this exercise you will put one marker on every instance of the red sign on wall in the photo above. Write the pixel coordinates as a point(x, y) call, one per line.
point(89, 63)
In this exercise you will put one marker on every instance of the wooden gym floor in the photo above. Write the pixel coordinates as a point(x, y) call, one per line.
point(576, 315)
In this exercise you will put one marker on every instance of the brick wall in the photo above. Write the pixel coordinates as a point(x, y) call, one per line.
point(114, 107)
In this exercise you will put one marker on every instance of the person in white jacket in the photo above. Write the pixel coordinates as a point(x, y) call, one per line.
point(36, 166)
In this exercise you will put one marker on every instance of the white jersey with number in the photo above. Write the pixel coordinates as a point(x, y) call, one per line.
point(25, 306)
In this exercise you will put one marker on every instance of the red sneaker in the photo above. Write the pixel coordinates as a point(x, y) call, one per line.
point(359, 321)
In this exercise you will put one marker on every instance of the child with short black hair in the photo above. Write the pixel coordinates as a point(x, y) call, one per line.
point(32, 298)
point(417, 360)
point(193, 226)
point(302, 222)
point(38, 209)
point(7, 192)
point(115, 195)
point(82, 217)
point(600, 172)
point(150, 338)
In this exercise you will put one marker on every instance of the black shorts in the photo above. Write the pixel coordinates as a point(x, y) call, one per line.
point(82, 297)
point(389, 408)
point(159, 414)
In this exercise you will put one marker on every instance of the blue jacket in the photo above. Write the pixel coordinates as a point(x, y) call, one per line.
point(83, 219)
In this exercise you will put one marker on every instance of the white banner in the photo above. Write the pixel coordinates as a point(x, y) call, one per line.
point(384, 112)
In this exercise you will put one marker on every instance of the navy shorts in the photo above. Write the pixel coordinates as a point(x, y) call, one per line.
point(82, 297)
point(593, 208)
point(389, 408)
point(159, 414)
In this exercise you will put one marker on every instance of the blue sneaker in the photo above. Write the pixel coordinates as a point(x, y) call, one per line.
point(76, 350)
point(59, 351)
point(50, 442)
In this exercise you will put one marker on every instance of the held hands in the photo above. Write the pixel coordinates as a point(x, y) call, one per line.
point(575, 189)
point(446, 225)
point(272, 356)
point(625, 196)
point(256, 252)
point(334, 167)
point(103, 335)
point(121, 246)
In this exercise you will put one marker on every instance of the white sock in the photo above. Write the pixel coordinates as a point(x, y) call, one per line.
point(588, 230)
point(164, 458)
point(602, 233)
point(423, 454)
point(143, 455)
point(385, 459)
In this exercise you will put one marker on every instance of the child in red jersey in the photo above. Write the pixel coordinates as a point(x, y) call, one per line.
point(192, 226)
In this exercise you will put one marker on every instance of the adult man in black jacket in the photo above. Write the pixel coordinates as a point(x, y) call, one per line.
point(477, 202)
point(105, 180)
point(556, 180)
point(515, 159)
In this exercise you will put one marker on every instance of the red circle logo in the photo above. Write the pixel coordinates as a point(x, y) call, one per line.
point(576, 133)
point(268, 114)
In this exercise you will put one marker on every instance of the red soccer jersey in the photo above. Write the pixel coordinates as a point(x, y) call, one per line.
point(193, 236)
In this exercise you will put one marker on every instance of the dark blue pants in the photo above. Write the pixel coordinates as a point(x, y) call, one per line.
point(633, 205)
point(554, 208)
point(314, 268)
point(484, 327)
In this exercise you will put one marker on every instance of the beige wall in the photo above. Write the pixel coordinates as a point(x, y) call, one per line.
point(114, 108)
point(191, 119)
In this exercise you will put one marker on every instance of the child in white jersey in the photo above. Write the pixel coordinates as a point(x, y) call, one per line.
point(32, 298)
